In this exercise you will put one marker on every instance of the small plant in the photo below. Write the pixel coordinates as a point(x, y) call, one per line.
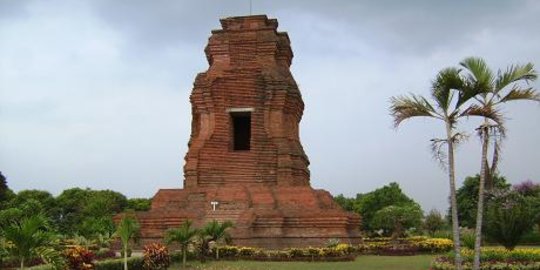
point(246, 251)
point(156, 257)
point(184, 235)
point(468, 238)
point(79, 258)
point(295, 252)
point(127, 229)
point(332, 242)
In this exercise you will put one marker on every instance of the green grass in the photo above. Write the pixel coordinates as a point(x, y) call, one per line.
point(420, 262)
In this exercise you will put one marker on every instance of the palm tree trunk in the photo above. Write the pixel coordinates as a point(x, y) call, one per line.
point(453, 201)
point(217, 252)
point(125, 258)
point(22, 263)
point(184, 257)
point(480, 210)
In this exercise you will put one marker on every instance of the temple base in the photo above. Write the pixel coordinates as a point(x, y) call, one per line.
point(269, 217)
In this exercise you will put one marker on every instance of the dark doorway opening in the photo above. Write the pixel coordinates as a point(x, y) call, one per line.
point(241, 130)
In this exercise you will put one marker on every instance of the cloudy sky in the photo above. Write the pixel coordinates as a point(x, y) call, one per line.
point(96, 93)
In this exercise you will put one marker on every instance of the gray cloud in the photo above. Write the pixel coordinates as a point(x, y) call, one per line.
point(96, 93)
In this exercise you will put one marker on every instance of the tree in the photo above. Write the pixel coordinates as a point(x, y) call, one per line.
point(184, 236)
point(71, 203)
point(89, 212)
point(6, 194)
point(396, 219)
point(433, 222)
point(34, 202)
point(448, 86)
point(30, 237)
point(509, 215)
point(532, 191)
point(493, 92)
point(346, 203)
point(467, 198)
point(216, 232)
point(368, 204)
point(139, 204)
point(127, 229)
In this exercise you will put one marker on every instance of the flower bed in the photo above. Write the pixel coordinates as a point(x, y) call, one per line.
point(494, 259)
point(341, 252)
point(405, 246)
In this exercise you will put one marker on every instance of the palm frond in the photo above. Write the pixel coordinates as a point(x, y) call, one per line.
point(405, 107)
point(182, 235)
point(515, 73)
point(479, 72)
point(52, 257)
point(521, 94)
point(489, 112)
point(442, 87)
point(438, 152)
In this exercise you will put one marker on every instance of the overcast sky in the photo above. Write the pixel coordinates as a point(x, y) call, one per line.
point(96, 93)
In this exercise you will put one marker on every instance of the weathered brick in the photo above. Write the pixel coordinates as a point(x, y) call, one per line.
point(265, 190)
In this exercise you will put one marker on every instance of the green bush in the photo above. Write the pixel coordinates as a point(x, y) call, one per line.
point(134, 263)
point(228, 251)
point(509, 215)
point(468, 238)
point(295, 252)
point(246, 251)
point(531, 238)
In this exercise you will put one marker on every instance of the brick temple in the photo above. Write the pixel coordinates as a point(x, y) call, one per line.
point(245, 162)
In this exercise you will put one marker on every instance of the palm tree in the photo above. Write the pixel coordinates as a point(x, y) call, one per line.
point(448, 86)
point(127, 229)
point(30, 237)
point(216, 232)
point(184, 236)
point(495, 90)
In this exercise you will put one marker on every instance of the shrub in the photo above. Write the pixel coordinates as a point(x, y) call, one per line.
point(395, 219)
point(246, 251)
point(228, 251)
point(134, 263)
point(509, 215)
point(435, 245)
point(345, 249)
point(105, 253)
point(156, 257)
point(405, 246)
point(295, 252)
point(445, 264)
point(468, 238)
point(501, 255)
point(79, 258)
point(433, 222)
point(332, 242)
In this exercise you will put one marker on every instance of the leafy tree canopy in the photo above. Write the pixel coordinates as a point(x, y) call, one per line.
point(34, 202)
point(139, 204)
point(368, 204)
point(89, 211)
point(433, 222)
point(467, 198)
point(396, 219)
point(5, 193)
point(346, 203)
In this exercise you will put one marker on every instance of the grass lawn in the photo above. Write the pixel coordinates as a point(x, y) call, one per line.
point(420, 262)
